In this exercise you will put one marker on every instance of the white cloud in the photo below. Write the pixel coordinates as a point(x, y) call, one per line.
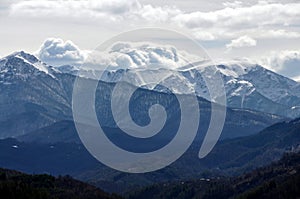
point(144, 55)
point(285, 62)
point(204, 35)
point(269, 33)
point(111, 10)
point(260, 20)
point(243, 41)
point(56, 52)
point(234, 4)
point(162, 14)
point(140, 55)
point(279, 34)
point(73, 8)
point(252, 16)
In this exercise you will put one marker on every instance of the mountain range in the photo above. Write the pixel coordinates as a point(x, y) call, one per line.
point(37, 95)
point(247, 84)
point(37, 127)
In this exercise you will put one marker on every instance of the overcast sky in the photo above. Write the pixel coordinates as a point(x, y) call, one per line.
point(265, 31)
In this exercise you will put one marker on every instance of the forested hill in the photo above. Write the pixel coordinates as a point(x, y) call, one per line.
point(14, 184)
point(280, 180)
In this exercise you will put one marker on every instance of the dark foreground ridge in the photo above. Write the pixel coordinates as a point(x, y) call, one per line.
point(15, 185)
point(280, 180)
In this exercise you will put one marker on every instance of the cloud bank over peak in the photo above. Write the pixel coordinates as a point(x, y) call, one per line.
point(286, 62)
point(57, 52)
point(136, 55)
point(139, 55)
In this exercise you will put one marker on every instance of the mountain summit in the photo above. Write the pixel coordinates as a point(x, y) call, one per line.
point(21, 65)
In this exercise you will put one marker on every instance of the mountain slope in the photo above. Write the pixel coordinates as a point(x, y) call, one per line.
point(255, 150)
point(62, 131)
point(28, 86)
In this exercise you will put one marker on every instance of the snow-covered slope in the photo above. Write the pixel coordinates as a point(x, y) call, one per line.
point(31, 94)
point(252, 87)
point(247, 84)
point(257, 88)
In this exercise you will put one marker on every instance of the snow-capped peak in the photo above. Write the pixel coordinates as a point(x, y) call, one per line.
point(25, 56)
point(236, 68)
point(21, 62)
